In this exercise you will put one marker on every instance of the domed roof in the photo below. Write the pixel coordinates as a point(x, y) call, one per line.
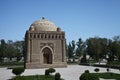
point(43, 25)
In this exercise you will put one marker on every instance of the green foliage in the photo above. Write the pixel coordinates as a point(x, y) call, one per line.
point(3, 50)
point(50, 70)
point(47, 72)
point(97, 47)
point(96, 69)
point(71, 49)
point(11, 49)
point(107, 75)
point(80, 47)
point(108, 69)
point(88, 76)
point(57, 76)
point(18, 70)
point(35, 77)
point(86, 71)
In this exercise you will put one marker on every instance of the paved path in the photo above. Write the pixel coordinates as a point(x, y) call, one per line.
point(72, 72)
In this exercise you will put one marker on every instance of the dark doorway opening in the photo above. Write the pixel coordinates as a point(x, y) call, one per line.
point(47, 56)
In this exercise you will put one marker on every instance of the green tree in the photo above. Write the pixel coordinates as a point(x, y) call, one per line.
point(3, 50)
point(71, 50)
point(81, 47)
point(20, 45)
point(97, 47)
point(93, 48)
point(104, 42)
point(114, 48)
point(12, 50)
point(117, 46)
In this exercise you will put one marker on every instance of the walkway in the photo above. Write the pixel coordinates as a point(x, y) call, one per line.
point(72, 72)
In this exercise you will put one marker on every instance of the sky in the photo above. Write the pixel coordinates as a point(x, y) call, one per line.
point(78, 18)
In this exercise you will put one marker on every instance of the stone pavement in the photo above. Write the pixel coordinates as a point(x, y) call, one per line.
point(72, 72)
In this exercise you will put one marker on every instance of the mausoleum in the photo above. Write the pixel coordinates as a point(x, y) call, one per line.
point(45, 45)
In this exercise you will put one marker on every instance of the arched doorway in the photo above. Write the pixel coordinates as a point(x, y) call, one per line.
point(47, 56)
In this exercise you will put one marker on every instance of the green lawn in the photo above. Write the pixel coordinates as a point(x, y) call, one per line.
point(49, 77)
point(36, 77)
point(107, 75)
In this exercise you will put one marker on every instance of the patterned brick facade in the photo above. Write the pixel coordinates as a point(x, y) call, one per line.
point(45, 47)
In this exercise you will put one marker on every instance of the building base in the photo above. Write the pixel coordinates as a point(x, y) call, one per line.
point(38, 65)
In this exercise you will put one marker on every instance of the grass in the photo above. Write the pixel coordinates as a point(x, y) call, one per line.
point(107, 75)
point(50, 77)
point(36, 77)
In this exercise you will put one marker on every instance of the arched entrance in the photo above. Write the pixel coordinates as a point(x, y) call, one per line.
point(47, 56)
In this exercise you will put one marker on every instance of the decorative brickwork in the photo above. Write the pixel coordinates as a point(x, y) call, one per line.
point(45, 45)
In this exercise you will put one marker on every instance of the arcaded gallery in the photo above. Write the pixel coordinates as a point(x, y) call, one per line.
point(45, 45)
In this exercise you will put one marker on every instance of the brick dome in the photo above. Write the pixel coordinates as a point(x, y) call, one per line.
point(43, 25)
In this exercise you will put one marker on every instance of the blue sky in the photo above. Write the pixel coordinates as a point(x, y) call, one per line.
point(78, 18)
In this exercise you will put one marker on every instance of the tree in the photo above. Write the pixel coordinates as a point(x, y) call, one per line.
point(116, 38)
point(114, 48)
point(81, 47)
point(71, 50)
point(3, 46)
point(20, 45)
point(93, 48)
point(117, 46)
point(12, 50)
point(97, 47)
point(104, 42)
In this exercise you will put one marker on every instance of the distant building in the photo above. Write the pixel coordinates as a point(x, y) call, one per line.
point(45, 45)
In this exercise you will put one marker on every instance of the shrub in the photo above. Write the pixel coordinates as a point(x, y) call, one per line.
point(51, 70)
point(96, 69)
point(18, 70)
point(57, 76)
point(107, 69)
point(47, 72)
point(88, 76)
point(86, 71)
